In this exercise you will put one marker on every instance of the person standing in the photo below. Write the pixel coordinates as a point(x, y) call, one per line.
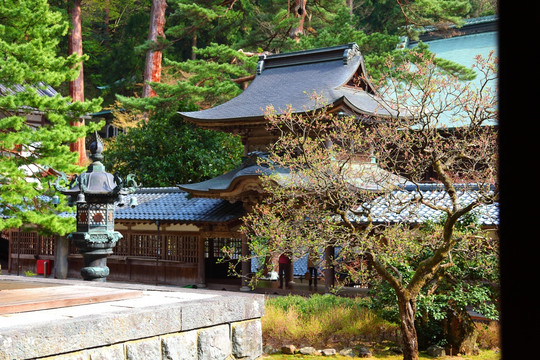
point(283, 262)
point(313, 259)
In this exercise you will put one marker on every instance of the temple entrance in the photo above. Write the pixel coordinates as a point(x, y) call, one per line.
point(220, 253)
point(4, 253)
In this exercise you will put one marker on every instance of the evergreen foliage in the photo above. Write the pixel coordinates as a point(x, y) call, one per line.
point(166, 151)
point(201, 55)
point(113, 31)
point(190, 154)
point(29, 36)
point(206, 81)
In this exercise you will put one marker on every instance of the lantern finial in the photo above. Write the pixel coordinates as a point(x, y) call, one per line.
point(96, 147)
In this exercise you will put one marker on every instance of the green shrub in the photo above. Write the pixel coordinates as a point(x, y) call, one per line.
point(316, 303)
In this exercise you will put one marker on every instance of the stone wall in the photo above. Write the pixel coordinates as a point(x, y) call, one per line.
point(239, 340)
point(159, 323)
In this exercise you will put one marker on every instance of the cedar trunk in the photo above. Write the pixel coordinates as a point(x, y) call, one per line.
point(299, 11)
point(152, 67)
point(76, 87)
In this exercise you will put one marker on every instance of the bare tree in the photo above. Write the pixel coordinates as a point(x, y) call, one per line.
point(439, 130)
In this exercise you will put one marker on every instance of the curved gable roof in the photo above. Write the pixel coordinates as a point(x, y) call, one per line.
point(176, 206)
point(290, 79)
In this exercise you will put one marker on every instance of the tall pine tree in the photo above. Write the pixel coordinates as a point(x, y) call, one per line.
point(30, 67)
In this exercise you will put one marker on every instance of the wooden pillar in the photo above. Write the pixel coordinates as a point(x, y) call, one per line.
point(129, 239)
point(328, 268)
point(201, 273)
point(61, 253)
point(156, 246)
point(246, 265)
point(290, 273)
point(10, 249)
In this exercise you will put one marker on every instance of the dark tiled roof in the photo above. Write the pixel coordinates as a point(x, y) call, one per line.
point(390, 209)
point(470, 26)
point(365, 176)
point(227, 181)
point(386, 209)
point(290, 79)
point(42, 89)
point(174, 205)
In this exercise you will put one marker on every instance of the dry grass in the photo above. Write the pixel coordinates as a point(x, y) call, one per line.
point(319, 321)
point(489, 335)
point(327, 321)
point(485, 355)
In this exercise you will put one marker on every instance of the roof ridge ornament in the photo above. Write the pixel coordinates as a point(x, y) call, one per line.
point(260, 64)
point(351, 52)
point(303, 57)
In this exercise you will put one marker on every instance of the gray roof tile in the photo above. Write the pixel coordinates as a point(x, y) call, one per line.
point(174, 205)
point(389, 209)
point(289, 79)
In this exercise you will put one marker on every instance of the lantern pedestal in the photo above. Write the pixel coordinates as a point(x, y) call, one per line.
point(95, 248)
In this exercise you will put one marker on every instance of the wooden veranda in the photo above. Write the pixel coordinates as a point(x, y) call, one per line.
point(164, 254)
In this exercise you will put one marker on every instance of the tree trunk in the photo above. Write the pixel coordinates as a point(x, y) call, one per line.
point(152, 67)
point(407, 308)
point(76, 87)
point(407, 312)
point(193, 46)
point(299, 11)
point(107, 19)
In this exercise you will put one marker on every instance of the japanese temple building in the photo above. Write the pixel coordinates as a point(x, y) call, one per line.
point(336, 74)
point(175, 235)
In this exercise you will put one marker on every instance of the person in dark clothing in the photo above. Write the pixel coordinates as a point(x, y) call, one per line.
point(283, 262)
point(312, 268)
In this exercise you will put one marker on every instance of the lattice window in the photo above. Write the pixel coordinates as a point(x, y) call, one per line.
point(217, 245)
point(181, 248)
point(122, 247)
point(144, 245)
point(31, 243)
point(25, 242)
point(47, 245)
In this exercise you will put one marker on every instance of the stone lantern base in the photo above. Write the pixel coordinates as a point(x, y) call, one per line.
point(95, 248)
